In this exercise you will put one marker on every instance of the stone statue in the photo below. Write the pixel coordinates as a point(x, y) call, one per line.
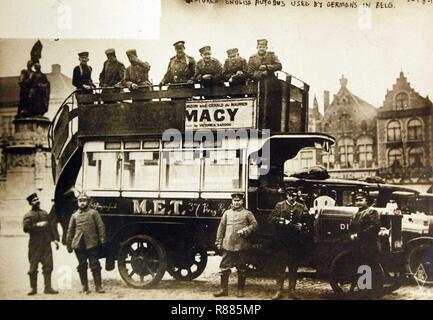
point(34, 87)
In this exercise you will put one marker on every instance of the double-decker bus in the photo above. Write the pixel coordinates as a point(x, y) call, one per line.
point(160, 164)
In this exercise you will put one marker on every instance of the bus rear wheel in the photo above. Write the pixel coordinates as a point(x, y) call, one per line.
point(142, 261)
point(189, 266)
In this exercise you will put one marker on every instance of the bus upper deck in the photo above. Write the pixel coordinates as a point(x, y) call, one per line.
point(278, 104)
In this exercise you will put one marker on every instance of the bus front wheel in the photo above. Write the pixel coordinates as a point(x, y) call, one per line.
point(142, 261)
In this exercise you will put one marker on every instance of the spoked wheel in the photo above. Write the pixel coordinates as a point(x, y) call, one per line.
point(350, 277)
point(142, 261)
point(419, 263)
point(189, 266)
point(392, 281)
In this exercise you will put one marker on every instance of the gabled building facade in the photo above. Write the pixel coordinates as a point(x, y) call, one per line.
point(405, 136)
point(352, 121)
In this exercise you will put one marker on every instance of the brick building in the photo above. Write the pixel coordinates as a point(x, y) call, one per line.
point(405, 136)
point(352, 121)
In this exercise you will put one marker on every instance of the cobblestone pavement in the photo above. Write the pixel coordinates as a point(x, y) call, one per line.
point(14, 282)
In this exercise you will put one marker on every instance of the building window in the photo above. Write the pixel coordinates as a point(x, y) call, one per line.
point(414, 129)
point(307, 159)
point(394, 131)
point(328, 158)
point(345, 151)
point(416, 156)
point(304, 159)
point(327, 127)
point(345, 124)
point(401, 101)
point(365, 151)
point(395, 156)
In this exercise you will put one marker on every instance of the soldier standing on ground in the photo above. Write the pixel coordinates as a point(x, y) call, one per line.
point(235, 69)
point(113, 71)
point(181, 67)
point(42, 230)
point(82, 75)
point(86, 235)
point(137, 74)
point(287, 220)
point(264, 63)
point(208, 70)
point(235, 225)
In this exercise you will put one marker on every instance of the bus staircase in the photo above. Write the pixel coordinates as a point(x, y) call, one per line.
point(66, 154)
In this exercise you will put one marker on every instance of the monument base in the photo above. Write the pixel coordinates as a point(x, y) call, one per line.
point(28, 170)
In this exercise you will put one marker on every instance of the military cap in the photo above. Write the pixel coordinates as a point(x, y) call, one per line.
point(83, 195)
point(237, 195)
point(262, 41)
point(179, 43)
point(110, 51)
point(204, 49)
point(232, 51)
point(83, 54)
point(31, 197)
point(290, 190)
point(131, 52)
point(360, 193)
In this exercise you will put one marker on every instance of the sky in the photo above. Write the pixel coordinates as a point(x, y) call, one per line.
point(316, 45)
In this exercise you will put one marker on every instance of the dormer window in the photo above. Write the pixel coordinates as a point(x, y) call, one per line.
point(401, 101)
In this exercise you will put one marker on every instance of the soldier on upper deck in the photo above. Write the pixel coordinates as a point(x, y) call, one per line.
point(82, 75)
point(137, 74)
point(181, 67)
point(113, 71)
point(208, 70)
point(235, 69)
point(264, 63)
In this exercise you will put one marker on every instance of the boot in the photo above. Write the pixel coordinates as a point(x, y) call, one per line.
point(84, 282)
point(241, 285)
point(292, 286)
point(280, 287)
point(98, 281)
point(224, 291)
point(47, 281)
point(33, 284)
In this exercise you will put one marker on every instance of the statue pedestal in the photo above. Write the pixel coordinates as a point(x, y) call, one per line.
point(28, 170)
point(30, 132)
